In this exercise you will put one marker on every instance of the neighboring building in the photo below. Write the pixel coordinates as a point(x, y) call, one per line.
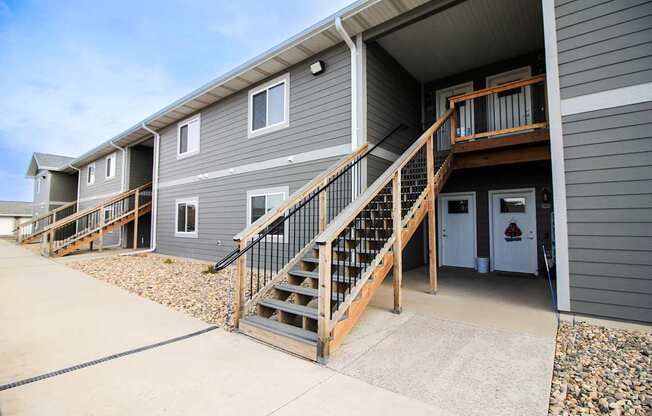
point(12, 214)
point(575, 181)
point(54, 185)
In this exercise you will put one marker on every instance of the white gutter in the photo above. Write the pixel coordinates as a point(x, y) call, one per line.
point(152, 227)
point(355, 133)
point(78, 183)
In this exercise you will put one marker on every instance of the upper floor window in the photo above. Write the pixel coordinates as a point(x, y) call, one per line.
point(188, 132)
point(38, 185)
point(110, 166)
point(269, 108)
point(90, 174)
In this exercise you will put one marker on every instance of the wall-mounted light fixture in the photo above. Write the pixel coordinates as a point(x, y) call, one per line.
point(317, 68)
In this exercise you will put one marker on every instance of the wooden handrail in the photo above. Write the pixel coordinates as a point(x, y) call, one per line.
point(344, 218)
point(267, 219)
point(49, 213)
point(113, 199)
point(499, 88)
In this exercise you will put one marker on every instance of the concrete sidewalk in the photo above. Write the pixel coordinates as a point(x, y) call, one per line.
point(53, 317)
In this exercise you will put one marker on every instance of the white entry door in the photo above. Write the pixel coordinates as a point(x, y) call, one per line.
point(511, 108)
point(513, 231)
point(457, 236)
point(465, 113)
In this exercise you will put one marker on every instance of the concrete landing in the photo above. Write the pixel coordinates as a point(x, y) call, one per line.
point(484, 345)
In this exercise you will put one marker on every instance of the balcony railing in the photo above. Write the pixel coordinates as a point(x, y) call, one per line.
point(505, 109)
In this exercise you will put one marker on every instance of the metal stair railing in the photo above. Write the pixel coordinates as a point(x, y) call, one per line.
point(276, 242)
point(413, 173)
point(93, 220)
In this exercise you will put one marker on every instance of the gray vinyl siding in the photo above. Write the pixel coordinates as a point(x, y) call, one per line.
point(223, 208)
point(393, 97)
point(608, 163)
point(603, 45)
point(41, 200)
point(102, 186)
point(375, 168)
point(101, 190)
point(320, 117)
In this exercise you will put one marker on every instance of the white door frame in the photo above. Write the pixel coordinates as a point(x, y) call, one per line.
point(528, 95)
point(464, 85)
point(440, 208)
point(491, 223)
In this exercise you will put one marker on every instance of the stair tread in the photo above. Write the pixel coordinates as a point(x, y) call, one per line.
point(302, 290)
point(289, 307)
point(337, 263)
point(315, 275)
point(282, 329)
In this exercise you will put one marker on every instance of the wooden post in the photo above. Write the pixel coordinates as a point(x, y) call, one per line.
point(101, 227)
point(324, 305)
point(50, 237)
point(240, 272)
point(136, 220)
point(323, 209)
point(432, 220)
point(453, 124)
point(398, 243)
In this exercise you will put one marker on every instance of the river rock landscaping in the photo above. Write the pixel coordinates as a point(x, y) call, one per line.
point(601, 371)
point(186, 285)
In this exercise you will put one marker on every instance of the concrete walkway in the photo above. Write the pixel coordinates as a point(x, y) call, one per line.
point(53, 317)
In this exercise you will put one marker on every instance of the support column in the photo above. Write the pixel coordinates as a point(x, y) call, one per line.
point(324, 305)
point(240, 271)
point(397, 250)
point(136, 219)
point(432, 219)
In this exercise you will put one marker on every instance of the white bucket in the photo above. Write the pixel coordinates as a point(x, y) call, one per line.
point(483, 265)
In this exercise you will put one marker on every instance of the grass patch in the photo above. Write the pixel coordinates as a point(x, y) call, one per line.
point(209, 270)
point(168, 261)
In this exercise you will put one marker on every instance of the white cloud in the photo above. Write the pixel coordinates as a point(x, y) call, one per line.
point(72, 102)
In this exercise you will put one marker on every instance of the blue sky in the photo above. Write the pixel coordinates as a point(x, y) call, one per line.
point(75, 73)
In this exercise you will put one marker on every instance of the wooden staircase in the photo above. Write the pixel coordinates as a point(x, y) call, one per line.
point(312, 301)
point(73, 232)
point(32, 231)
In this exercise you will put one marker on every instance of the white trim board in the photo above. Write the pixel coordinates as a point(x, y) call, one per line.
point(310, 156)
point(556, 155)
point(618, 97)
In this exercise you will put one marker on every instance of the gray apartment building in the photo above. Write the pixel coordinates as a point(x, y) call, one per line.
point(509, 133)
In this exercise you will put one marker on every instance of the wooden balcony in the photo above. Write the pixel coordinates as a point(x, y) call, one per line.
point(501, 125)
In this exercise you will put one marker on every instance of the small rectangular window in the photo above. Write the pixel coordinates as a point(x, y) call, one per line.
point(38, 185)
point(90, 174)
point(188, 137)
point(110, 166)
point(263, 201)
point(186, 217)
point(460, 206)
point(509, 205)
point(269, 107)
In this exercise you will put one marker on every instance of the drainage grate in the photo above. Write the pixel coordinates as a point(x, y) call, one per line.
point(103, 359)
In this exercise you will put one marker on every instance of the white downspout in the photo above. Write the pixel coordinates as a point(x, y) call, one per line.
point(355, 132)
point(152, 228)
point(122, 186)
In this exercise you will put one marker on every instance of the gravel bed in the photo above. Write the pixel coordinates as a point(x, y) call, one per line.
point(184, 285)
point(601, 371)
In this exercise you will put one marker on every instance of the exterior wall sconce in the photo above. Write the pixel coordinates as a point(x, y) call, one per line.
point(317, 68)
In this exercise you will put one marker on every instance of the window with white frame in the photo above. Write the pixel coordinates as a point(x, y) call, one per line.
point(186, 217)
point(269, 108)
point(90, 174)
point(110, 166)
point(261, 201)
point(188, 132)
point(38, 185)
